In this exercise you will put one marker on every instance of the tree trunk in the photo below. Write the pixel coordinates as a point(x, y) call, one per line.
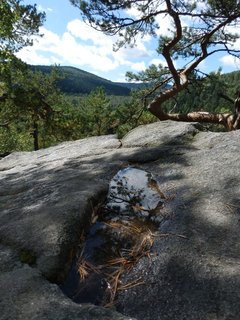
point(35, 136)
point(236, 124)
point(228, 120)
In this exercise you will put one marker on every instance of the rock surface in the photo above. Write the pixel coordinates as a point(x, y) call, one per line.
point(46, 199)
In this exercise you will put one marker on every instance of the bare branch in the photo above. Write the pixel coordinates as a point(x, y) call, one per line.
point(167, 48)
point(222, 95)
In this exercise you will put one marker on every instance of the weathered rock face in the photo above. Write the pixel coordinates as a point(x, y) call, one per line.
point(46, 199)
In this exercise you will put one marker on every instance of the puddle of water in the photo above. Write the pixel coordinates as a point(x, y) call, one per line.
point(121, 235)
point(136, 192)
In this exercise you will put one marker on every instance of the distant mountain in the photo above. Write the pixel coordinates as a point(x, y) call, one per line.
point(131, 85)
point(77, 81)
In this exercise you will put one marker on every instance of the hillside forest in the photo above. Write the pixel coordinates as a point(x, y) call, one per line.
point(48, 105)
point(41, 106)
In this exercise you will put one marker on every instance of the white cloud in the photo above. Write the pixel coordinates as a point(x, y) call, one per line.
point(230, 61)
point(165, 25)
point(133, 12)
point(157, 61)
point(81, 30)
point(31, 57)
point(140, 51)
point(66, 50)
point(82, 46)
point(41, 8)
point(236, 44)
point(121, 78)
point(138, 66)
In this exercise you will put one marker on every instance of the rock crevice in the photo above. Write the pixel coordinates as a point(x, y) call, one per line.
point(46, 199)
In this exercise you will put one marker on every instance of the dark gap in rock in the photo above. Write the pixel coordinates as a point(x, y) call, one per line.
point(28, 257)
point(122, 232)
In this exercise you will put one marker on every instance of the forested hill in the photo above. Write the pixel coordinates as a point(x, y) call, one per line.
point(77, 81)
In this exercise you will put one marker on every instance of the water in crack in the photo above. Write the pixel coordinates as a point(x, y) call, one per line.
point(135, 192)
point(122, 234)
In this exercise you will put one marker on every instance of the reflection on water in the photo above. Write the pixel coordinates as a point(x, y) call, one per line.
point(121, 235)
point(134, 191)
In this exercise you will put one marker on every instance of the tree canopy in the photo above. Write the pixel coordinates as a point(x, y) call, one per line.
point(23, 95)
point(17, 24)
point(198, 30)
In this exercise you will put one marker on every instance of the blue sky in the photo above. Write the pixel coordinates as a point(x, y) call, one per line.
point(68, 41)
